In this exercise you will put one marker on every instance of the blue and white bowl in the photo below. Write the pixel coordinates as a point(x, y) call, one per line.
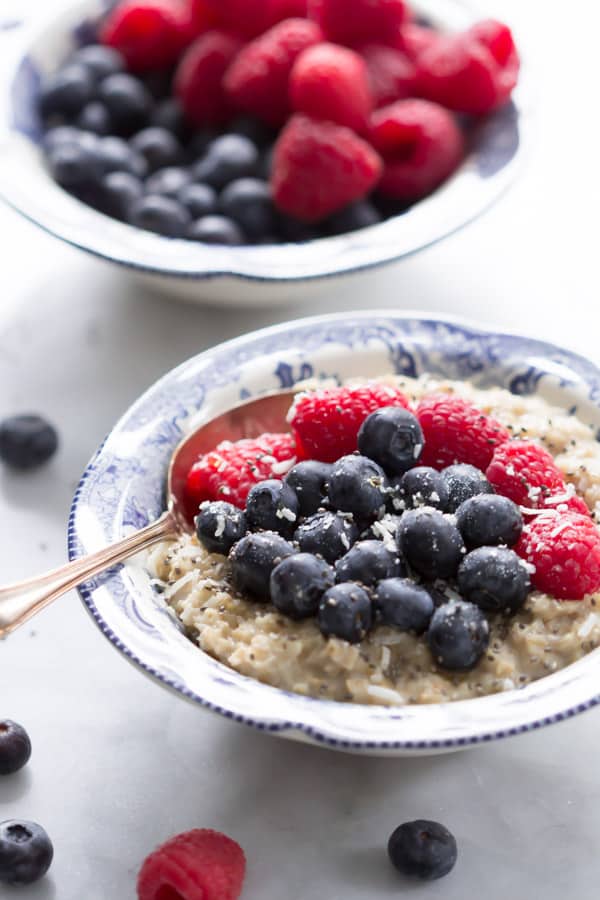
point(247, 274)
point(122, 490)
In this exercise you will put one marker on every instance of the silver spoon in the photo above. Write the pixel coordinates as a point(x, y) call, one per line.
point(19, 602)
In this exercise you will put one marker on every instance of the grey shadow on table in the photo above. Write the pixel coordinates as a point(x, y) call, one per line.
point(16, 786)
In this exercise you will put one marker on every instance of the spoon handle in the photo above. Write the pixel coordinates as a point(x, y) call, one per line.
point(19, 602)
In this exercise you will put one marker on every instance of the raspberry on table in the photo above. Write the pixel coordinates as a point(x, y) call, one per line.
point(319, 168)
point(564, 548)
point(197, 865)
point(525, 473)
point(357, 21)
point(148, 33)
point(392, 74)
point(326, 422)
point(199, 77)
point(457, 432)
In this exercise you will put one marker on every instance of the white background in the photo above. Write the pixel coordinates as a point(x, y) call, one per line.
point(119, 764)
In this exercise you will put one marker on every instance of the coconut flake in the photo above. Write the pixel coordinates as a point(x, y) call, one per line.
point(385, 694)
point(286, 513)
point(283, 467)
point(220, 529)
point(588, 626)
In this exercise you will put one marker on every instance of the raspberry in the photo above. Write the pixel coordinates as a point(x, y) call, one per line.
point(258, 80)
point(231, 469)
point(320, 167)
point(148, 33)
point(199, 77)
point(565, 550)
point(472, 72)
point(286, 9)
point(421, 145)
point(248, 18)
point(525, 473)
point(358, 21)
point(196, 865)
point(392, 75)
point(457, 432)
point(326, 422)
point(414, 39)
point(331, 82)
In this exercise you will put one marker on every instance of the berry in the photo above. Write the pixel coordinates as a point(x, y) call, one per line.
point(357, 21)
point(68, 134)
point(199, 199)
point(495, 579)
point(430, 543)
point(422, 849)
point(393, 438)
point(488, 520)
point(255, 130)
point(421, 146)
point(298, 583)
point(15, 747)
point(248, 202)
point(472, 72)
point(227, 158)
point(331, 82)
point(526, 473)
point(463, 482)
point(565, 550)
point(421, 486)
point(414, 39)
point(358, 485)
point(257, 82)
point(197, 865)
point(160, 214)
point(115, 155)
point(74, 166)
point(367, 562)
point(327, 421)
point(272, 506)
point(320, 167)
point(199, 77)
point(25, 852)
point(327, 534)
point(403, 604)
point(168, 114)
point(128, 102)
point(229, 471)
point(287, 9)
point(253, 559)
point(100, 61)
point(95, 117)
point(249, 19)
point(159, 147)
point(458, 635)
point(345, 612)
point(66, 92)
point(220, 525)
point(392, 75)
point(361, 214)
point(147, 33)
point(309, 481)
point(216, 230)
point(294, 231)
point(27, 441)
point(168, 182)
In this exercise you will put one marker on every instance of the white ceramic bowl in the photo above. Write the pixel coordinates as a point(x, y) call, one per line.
point(122, 489)
point(244, 275)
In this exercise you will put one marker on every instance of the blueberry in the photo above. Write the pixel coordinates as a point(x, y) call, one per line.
point(162, 215)
point(328, 534)
point(495, 579)
point(168, 114)
point(216, 230)
point(430, 543)
point(15, 747)
point(422, 849)
point(128, 101)
point(308, 480)
point(358, 485)
point(248, 202)
point(393, 438)
point(68, 134)
point(27, 441)
point(272, 506)
point(404, 604)
point(253, 129)
point(458, 635)
point(294, 231)
point(265, 166)
point(74, 166)
point(159, 148)
point(159, 83)
point(199, 199)
point(345, 612)
point(254, 558)
point(200, 142)
point(100, 61)
point(95, 117)
point(367, 562)
point(298, 583)
point(25, 852)
point(488, 520)
point(420, 486)
point(220, 525)
point(119, 192)
point(66, 92)
point(464, 481)
point(358, 215)
point(117, 156)
point(227, 158)
point(168, 182)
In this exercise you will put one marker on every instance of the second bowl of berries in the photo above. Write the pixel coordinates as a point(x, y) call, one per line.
point(186, 137)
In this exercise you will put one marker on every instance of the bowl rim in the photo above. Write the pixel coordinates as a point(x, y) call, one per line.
point(329, 735)
point(459, 201)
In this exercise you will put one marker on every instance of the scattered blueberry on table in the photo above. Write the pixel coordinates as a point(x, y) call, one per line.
point(423, 850)
point(26, 852)
point(27, 441)
point(15, 747)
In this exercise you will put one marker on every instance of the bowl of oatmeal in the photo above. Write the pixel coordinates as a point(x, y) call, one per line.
point(180, 615)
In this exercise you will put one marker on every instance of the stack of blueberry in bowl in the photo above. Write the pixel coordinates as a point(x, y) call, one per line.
point(233, 122)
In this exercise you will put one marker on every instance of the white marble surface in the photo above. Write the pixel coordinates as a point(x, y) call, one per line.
point(118, 763)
